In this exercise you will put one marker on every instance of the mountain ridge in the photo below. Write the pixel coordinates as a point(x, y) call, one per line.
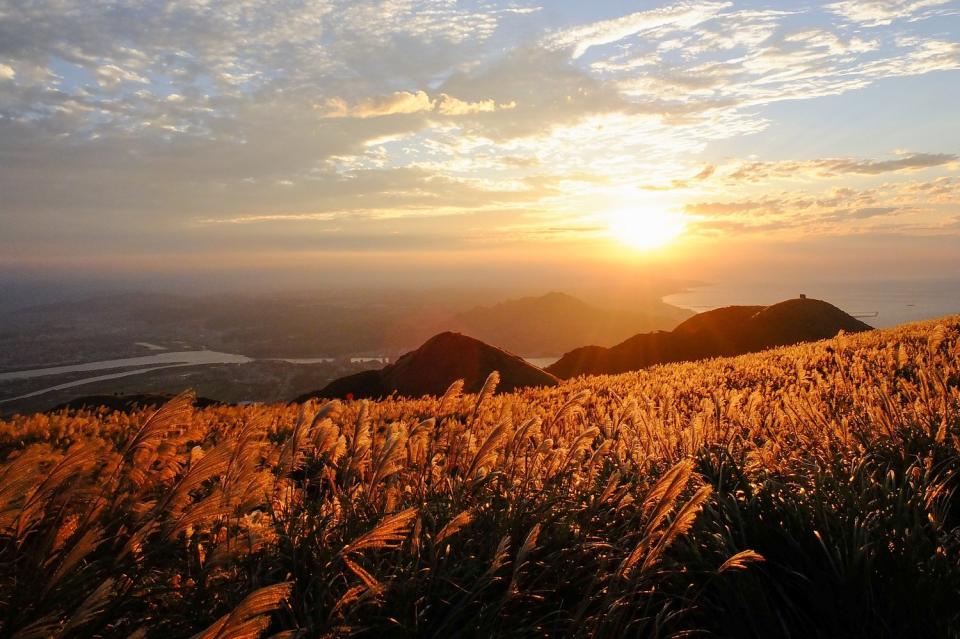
point(727, 331)
point(431, 368)
point(556, 322)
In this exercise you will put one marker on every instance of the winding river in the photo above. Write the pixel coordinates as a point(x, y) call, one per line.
point(158, 361)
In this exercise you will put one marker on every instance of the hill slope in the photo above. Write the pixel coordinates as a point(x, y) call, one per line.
point(718, 498)
point(732, 330)
point(556, 322)
point(430, 370)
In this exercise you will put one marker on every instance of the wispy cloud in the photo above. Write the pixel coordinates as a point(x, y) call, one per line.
point(679, 16)
point(875, 13)
point(406, 102)
point(830, 167)
point(918, 205)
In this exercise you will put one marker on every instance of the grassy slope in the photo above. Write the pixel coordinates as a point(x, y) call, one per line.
point(630, 505)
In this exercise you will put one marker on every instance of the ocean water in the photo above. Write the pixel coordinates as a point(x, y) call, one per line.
point(880, 304)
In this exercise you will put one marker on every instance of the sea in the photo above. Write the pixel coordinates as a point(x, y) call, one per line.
point(878, 303)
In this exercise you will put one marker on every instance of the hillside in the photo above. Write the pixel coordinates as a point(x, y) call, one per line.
point(430, 370)
point(556, 322)
point(732, 330)
point(805, 491)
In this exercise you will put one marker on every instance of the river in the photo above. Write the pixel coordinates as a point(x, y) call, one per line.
point(158, 361)
point(182, 358)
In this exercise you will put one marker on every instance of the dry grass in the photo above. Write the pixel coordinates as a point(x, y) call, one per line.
point(806, 491)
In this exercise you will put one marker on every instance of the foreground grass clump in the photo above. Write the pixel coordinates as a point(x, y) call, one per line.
point(803, 492)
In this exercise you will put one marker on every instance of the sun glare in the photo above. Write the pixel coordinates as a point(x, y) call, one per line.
point(645, 229)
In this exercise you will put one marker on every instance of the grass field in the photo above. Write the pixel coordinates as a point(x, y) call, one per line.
point(807, 491)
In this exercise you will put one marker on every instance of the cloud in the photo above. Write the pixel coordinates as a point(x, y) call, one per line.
point(901, 206)
point(683, 15)
point(861, 214)
point(110, 76)
point(875, 13)
point(823, 168)
point(271, 217)
point(907, 163)
point(399, 102)
point(772, 64)
point(449, 105)
point(543, 89)
point(830, 167)
point(128, 122)
point(406, 102)
point(704, 174)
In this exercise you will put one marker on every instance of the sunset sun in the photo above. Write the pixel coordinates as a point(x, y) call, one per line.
point(645, 229)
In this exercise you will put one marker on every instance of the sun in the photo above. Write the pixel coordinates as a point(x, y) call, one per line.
point(645, 229)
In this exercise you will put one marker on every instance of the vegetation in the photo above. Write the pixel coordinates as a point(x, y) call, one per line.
point(807, 491)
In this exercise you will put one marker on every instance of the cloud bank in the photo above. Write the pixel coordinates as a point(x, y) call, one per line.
point(158, 127)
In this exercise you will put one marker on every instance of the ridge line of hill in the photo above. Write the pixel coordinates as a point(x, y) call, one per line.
point(731, 330)
point(430, 369)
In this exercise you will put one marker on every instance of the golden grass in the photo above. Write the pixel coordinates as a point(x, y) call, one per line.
point(812, 485)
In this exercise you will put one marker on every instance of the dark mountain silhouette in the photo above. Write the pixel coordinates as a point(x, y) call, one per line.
point(430, 370)
point(732, 330)
point(556, 322)
point(363, 385)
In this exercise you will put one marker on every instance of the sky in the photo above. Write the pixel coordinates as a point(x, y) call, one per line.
point(408, 140)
